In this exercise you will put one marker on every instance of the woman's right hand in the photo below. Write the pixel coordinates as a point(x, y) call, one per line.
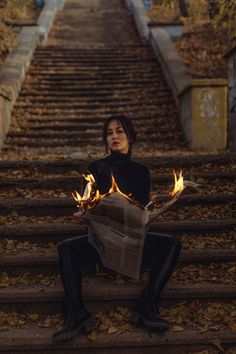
point(154, 197)
point(77, 216)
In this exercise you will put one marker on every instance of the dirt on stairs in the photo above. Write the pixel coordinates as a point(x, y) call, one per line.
point(95, 65)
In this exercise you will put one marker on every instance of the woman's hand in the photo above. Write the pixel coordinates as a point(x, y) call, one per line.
point(154, 197)
point(77, 216)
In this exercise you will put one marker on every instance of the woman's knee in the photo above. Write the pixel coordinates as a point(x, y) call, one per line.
point(63, 247)
point(175, 243)
point(178, 245)
point(168, 241)
point(68, 246)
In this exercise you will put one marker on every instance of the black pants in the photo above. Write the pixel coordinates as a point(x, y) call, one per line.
point(160, 253)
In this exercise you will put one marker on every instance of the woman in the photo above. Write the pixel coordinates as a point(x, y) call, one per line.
point(160, 251)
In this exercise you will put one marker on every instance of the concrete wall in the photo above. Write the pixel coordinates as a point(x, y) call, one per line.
point(17, 63)
point(141, 19)
point(202, 103)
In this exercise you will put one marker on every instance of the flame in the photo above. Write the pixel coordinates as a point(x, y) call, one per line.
point(76, 196)
point(115, 189)
point(179, 183)
point(91, 197)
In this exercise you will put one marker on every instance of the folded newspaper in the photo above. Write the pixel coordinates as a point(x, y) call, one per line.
point(117, 229)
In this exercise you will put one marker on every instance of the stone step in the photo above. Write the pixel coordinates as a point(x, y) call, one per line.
point(107, 98)
point(102, 81)
point(66, 206)
point(58, 140)
point(200, 161)
point(93, 127)
point(100, 74)
point(57, 231)
point(55, 141)
point(51, 173)
point(77, 135)
point(67, 99)
point(89, 106)
point(92, 104)
point(54, 50)
point(77, 70)
point(103, 294)
point(37, 259)
point(139, 341)
point(72, 86)
point(77, 90)
point(92, 62)
point(91, 59)
point(93, 117)
point(87, 93)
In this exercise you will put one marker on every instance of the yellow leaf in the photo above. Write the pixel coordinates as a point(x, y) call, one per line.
point(112, 330)
point(177, 328)
point(33, 316)
point(3, 314)
point(217, 343)
point(92, 336)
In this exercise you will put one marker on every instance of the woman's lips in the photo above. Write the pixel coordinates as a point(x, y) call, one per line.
point(116, 143)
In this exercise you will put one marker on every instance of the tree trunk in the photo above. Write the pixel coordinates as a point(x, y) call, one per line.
point(213, 8)
point(183, 8)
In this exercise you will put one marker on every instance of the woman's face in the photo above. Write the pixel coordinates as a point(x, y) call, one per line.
point(117, 139)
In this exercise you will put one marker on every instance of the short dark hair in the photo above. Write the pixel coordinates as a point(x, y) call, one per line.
point(126, 124)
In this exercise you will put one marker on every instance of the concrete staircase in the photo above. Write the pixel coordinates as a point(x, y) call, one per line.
point(94, 65)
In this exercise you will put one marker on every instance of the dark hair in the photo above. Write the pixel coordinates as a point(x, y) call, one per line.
point(126, 124)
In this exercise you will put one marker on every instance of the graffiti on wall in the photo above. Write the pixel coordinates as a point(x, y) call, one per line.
point(209, 113)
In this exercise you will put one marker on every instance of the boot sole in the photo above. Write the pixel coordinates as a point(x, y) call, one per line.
point(85, 327)
point(140, 320)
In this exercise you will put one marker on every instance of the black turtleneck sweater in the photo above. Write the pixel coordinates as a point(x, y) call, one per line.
point(131, 177)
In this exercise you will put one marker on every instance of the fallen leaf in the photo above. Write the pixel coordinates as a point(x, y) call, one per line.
point(177, 328)
point(217, 343)
point(112, 330)
point(33, 316)
point(92, 336)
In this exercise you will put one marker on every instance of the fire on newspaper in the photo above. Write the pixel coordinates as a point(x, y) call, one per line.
point(117, 224)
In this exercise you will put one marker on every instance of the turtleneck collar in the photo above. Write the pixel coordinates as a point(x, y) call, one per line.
point(118, 158)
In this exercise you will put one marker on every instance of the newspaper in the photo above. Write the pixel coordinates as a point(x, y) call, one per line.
point(117, 230)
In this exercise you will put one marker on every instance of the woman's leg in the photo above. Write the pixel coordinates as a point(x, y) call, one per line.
point(161, 253)
point(72, 252)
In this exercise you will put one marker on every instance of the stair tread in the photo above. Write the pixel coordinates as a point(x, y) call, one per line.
point(97, 288)
point(40, 338)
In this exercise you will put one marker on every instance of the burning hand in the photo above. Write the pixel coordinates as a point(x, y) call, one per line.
point(78, 216)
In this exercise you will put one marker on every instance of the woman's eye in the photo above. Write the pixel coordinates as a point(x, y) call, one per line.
point(120, 131)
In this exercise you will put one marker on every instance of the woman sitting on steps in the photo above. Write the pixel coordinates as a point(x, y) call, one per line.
point(160, 252)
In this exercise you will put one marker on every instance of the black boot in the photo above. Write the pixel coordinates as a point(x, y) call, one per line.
point(77, 320)
point(146, 313)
